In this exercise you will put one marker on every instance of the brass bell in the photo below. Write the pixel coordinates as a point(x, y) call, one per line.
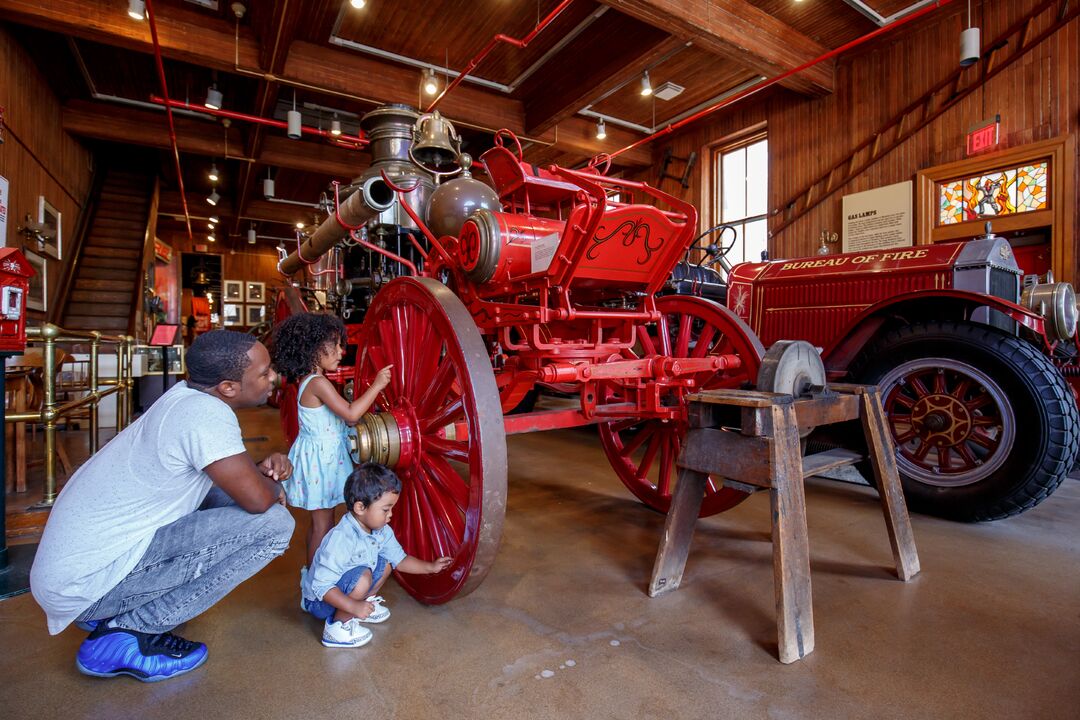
point(436, 144)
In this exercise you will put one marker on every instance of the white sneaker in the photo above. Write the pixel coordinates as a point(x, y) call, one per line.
point(379, 614)
point(347, 634)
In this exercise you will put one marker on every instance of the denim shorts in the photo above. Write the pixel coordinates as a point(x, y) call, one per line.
point(324, 610)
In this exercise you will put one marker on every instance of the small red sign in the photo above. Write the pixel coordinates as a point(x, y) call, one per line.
point(201, 248)
point(984, 136)
point(162, 251)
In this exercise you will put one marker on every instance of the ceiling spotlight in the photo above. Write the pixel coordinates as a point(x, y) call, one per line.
point(213, 174)
point(431, 84)
point(211, 225)
point(335, 126)
point(213, 197)
point(211, 238)
point(137, 9)
point(601, 130)
point(213, 98)
point(214, 219)
point(251, 235)
point(358, 4)
point(646, 85)
point(268, 188)
point(299, 226)
point(969, 43)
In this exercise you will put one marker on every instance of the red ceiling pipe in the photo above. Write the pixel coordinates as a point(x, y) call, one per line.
point(168, 113)
point(771, 81)
point(353, 141)
point(491, 46)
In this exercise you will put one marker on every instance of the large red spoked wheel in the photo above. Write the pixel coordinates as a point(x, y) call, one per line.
point(643, 453)
point(453, 447)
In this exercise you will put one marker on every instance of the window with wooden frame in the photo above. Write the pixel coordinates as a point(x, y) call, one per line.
point(1026, 193)
point(740, 194)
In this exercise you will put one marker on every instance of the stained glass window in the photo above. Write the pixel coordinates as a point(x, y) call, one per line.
point(1002, 192)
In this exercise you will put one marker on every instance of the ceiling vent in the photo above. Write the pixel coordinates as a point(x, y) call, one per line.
point(668, 91)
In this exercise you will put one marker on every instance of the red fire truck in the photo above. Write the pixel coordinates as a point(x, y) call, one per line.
point(974, 368)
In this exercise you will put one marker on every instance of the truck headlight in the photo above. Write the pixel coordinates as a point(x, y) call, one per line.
point(1056, 302)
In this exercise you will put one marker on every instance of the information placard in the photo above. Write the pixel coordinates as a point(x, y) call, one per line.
point(878, 219)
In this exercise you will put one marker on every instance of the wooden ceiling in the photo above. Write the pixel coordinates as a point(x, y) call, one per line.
point(333, 58)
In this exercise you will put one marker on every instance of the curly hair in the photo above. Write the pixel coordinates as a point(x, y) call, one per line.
point(368, 482)
point(216, 356)
point(298, 341)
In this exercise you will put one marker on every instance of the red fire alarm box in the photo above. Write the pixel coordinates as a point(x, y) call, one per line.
point(15, 274)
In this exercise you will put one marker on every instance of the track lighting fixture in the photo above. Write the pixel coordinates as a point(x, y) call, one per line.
point(358, 4)
point(431, 83)
point(335, 126)
point(211, 238)
point(295, 120)
point(646, 85)
point(137, 9)
point(969, 43)
point(601, 130)
point(211, 225)
point(214, 98)
point(268, 186)
point(213, 197)
point(214, 219)
point(213, 174)
point(251, 235)
point(299, 226)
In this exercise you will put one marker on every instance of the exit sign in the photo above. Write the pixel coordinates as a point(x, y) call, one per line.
point(984, 136)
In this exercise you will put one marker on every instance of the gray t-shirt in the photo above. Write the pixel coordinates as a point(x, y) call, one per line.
point(148, 476)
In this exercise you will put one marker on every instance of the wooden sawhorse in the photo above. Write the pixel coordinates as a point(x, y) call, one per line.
point(766, 455)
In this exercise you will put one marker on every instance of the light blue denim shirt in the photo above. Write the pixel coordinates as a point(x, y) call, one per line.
point(345, 547)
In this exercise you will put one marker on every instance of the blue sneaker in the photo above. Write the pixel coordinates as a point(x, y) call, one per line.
point(108, 652)
point(88, 625)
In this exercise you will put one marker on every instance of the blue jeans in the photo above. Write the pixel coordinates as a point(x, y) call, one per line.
point(193, 562)
point(324, 610)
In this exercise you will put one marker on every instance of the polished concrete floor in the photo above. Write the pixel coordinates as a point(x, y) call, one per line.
point(562, 626)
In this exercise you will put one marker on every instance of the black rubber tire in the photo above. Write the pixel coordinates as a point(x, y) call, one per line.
point(1047, 434)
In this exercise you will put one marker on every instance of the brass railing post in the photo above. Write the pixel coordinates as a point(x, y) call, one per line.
point(95, 346)
point(48, 411)
point(129, 399)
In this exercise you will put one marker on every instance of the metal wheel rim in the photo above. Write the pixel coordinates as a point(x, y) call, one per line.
point(442, 375)
point(910, 387)
point(654, 440)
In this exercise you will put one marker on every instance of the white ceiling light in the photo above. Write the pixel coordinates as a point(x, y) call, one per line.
point(601, 130)
point(335, 126)
point(213, 197)
point(969, 43)
point(295, 120)
point(646, 85)
point(268, 186)
point(214, 98)
point(251, 235)
point(358, 4)
point(214, 219)
point(213, 174)
point(211, 238)
point(431, 83)
point(137, 9)
point(299, 226)
point(211, 225)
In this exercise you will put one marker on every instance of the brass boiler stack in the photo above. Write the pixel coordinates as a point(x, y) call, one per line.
point(371, 202)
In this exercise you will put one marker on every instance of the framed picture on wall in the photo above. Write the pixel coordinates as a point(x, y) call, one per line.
point(233, 291)
point(255, 292)
point(233, 314)
point(37, 297)
point(49, 218)
point(255, 314)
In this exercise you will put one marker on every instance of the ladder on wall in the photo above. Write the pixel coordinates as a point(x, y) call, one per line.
point(1006, 49)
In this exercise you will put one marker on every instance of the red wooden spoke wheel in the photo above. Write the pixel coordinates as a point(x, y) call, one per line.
point(452, 453)
point(643, 453)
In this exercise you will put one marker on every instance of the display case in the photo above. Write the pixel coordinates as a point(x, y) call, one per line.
point(152, 359)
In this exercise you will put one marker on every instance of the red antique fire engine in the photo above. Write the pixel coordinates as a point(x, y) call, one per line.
point(558, 285)
point(970, 364)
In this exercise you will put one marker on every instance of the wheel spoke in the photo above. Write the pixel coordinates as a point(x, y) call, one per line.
point(979, 437)
point(682, 340)
point(421, 529)
point(704, 341)
point(650, 455)
point(961, 388)
point(943, 458)
point(439, 388)
point(978, 402)
point(444, 416)
point(922, 451)
point(442, 474)
point(966, 455)
point(434, 520)
point(450, 519)
point(986, 421)
point(663, 334)
point(648, 347)
point(643, 434)
point(451, 449)
point(917, 385)
point(939, 382)
point(909, 435)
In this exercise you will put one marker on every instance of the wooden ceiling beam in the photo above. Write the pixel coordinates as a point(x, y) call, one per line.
point(103, 121)
point(565, 85)
point(737, 30)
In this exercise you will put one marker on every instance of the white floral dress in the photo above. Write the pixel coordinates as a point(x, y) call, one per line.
point(320, 457)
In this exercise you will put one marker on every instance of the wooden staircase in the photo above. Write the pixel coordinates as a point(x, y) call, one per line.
point(106, 279)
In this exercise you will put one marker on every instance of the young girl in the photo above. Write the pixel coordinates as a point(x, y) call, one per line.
point(305, 347)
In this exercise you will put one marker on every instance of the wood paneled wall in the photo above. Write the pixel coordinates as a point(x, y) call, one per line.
point(1038, 98)
point(38, 157)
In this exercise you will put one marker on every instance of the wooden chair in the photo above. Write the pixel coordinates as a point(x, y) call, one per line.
point(27, 372)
